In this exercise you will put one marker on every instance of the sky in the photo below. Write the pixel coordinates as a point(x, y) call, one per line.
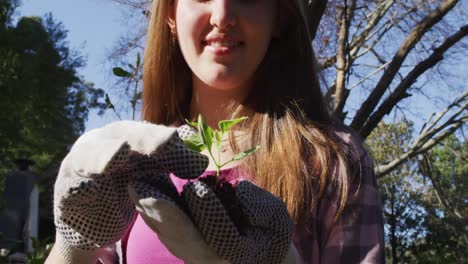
point(93, 28)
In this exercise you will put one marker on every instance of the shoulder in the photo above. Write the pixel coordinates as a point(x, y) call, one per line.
point(359, 162)
point(347, 138)
point(356, 235)
point(355, 179)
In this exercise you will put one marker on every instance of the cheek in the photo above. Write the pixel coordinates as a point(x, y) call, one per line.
point(189, 29)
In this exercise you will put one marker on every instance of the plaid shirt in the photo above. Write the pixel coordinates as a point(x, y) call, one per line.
point(357, 236)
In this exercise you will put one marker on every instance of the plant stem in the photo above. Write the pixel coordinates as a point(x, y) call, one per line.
point(218, 167)
point(218, 145)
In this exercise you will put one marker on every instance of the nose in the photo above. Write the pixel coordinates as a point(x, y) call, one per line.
point(223, 14)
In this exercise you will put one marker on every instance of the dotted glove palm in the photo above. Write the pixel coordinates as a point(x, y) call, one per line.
point(92, 208)
point(265, 235)
point(174, 228)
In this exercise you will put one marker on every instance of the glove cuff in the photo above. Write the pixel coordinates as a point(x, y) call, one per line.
point(73, 254)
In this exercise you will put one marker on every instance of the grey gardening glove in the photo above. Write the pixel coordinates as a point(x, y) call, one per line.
point(173, 227)
point(160, 206)
point(266, 236)
point(92, 208)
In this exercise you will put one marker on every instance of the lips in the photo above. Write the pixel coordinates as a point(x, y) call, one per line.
point(221, 44)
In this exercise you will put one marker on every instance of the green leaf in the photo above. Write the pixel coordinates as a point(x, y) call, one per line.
point(194, 143)
point(245, 153)
point(218, 136)
point(138, 61)
point(193, 124)
point(35, 242)
point(206, 133)
point(108, 102)
point(131, 67)
point(225, 125)
point(119, 72)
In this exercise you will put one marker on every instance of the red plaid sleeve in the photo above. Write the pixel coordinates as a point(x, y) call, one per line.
point(357, 236)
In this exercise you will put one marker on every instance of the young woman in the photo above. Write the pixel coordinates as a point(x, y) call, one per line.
point(230, 58)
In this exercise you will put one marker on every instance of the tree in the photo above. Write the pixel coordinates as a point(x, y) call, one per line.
point(445, 167)
point(423, 199)
point(403, 213)
point(44, 102)
point(389, 49)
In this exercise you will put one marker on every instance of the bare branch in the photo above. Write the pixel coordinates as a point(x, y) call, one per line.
point(373, 21)
point(432, 134)
point(343, 62)
point(381, 31)
point(431, 129)
point(408, 44)
point(142, 5)
point(128, 44)
point(379, 69)
point(401, 90)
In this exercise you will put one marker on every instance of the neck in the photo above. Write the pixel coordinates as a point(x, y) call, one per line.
point(212, 103)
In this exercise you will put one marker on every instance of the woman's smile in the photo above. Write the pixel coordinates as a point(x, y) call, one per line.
point(222, 45)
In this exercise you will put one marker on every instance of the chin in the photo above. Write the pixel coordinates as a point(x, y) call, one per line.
point(224, 85)
point(225, 81)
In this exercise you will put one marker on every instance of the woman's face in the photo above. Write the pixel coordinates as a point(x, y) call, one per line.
point(223, 41)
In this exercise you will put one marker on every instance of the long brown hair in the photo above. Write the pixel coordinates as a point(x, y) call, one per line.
point(298, 156)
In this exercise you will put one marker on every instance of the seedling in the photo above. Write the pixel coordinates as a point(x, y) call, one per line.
point(207, 137)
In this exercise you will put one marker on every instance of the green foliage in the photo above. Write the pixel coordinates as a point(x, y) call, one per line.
point(424, 199)
point(194, 142)
point(41, 250)
point(119, 72)
point(226, 125)
point(445, 168)
point(206, 136)
point(44, 102)
point(402, 214)
point(7, 8)
point(389, 140)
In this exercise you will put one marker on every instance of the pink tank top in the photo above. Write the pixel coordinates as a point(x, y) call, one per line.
point(142, 245)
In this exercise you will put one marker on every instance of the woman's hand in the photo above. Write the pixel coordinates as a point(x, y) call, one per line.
point(174, 228)
point(92, 208)
point(266, 237)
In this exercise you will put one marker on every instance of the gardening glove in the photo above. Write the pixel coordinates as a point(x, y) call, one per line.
point(172, 225)
point(265, 236)
point(92, 208)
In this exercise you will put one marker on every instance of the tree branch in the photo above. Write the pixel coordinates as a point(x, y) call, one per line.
point(373, 21)
point(431, 129)
point(401, 90)
point(432, 134)
point(428, 170)
point(380, 32)
point(408, 44)
point(343, 62)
